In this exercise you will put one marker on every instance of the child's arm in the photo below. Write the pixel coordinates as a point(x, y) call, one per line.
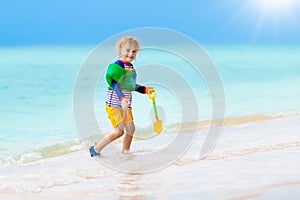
point(142, 89)
point(121, 96)
point(117, 88)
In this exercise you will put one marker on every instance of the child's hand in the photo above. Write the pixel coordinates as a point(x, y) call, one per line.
point(124, 103)
point(149, 89)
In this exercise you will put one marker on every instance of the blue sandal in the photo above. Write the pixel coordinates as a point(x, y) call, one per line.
point(93, 152)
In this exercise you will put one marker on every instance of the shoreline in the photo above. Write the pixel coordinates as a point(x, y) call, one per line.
point(235, 120)
point(74, 145)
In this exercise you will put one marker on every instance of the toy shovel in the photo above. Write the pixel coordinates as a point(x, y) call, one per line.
point(158, 123)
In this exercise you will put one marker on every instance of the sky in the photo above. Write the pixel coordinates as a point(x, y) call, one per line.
point(77, 22)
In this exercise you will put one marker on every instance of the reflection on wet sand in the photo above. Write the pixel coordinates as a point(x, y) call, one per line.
point(130, 186)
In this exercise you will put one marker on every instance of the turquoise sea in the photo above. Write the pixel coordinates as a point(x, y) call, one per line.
point(37, 84)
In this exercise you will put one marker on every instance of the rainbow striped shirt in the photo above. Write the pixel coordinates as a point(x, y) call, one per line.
point(112, 97)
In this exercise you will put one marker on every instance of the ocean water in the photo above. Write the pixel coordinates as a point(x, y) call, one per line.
point(37, 85)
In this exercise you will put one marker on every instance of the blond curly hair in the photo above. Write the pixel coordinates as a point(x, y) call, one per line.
point(128, 41)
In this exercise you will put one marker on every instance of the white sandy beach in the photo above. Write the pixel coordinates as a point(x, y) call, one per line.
point(253, 160)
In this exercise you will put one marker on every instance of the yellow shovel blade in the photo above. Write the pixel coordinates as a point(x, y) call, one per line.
point(157, 126)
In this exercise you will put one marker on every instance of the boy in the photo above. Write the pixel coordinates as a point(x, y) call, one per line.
point(121, 78)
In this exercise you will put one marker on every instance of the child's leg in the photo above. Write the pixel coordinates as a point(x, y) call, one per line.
point(118, 132)
point(130, 128)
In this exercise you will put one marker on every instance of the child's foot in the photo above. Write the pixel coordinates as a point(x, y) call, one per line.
point(126, 152)
point(93, 152)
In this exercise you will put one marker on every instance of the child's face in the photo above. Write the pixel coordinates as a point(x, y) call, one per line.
point(128, 53)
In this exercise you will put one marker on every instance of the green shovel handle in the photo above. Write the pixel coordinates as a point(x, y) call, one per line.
point(152, 95)
point(155, 110)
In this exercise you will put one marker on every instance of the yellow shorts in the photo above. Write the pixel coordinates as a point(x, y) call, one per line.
point(118, 115)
